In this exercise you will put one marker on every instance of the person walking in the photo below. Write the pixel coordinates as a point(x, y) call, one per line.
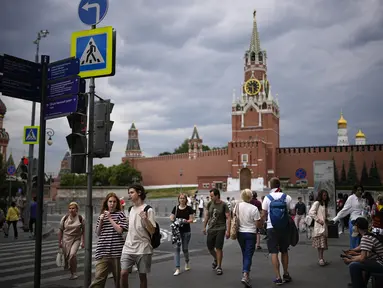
point(217, 218)
point(300, 213)
point(110, 225)
point(182, 216)
point(275, 210)
point(254, 201)
point(319, 213)
point(249, 220)
point(354, 207)
point(13, 216)
point(71, 237)
point(138, 249)
point(32, 216)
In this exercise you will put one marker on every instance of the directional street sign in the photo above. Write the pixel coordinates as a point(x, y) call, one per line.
point(31, 135)
point(21, 78)
point(63, 68)
point(300, 173)
point(64, 87)
point(11, 170)
point(91, 12)
point(61, 107)
point(96, 50)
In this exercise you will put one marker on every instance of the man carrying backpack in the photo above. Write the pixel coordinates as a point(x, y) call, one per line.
point(275, 208)
point(141, 238)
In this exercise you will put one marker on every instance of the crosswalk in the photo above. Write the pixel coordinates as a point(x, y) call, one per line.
point(17, 262)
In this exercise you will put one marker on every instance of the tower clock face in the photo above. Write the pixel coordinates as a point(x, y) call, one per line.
point(252, 87)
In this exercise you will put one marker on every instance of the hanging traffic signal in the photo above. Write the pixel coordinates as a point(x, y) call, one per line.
point(24, 168)
point(102, 145)
point(77, 142)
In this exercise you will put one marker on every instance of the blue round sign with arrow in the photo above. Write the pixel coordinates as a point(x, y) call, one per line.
point(11, 170)
point(301, 173)
point(91, 12)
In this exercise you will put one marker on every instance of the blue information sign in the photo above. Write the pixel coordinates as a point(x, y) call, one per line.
point(64, 68)
point(11, 170)
point(64, 87)
point(91, 12)
point(61, 107)
point(300, 173)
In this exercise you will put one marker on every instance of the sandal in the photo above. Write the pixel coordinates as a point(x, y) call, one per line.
point(219, 271)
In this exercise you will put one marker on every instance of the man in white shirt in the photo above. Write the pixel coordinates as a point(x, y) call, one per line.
point(277, 239)
point(354, 207)
point(138, 249)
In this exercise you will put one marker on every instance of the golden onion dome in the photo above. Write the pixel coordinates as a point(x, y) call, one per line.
point(360, 134)
point(342, 121)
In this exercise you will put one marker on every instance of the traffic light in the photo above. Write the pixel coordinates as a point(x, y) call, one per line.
point(24, 168)
point(34, 181)
point(77, 142)
point(102, 146)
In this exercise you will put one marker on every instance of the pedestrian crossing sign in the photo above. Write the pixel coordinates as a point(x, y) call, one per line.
point(96, 50)
point(31, 134)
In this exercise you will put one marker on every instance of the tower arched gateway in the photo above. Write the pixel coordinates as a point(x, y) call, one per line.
point(245, 179)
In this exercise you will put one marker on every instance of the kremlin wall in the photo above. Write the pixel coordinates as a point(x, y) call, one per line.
point(253, 155)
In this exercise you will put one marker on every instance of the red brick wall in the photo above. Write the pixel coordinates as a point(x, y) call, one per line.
point(289, 161)
point(165, 170)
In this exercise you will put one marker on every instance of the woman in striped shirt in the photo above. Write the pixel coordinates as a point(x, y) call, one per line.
point(110, 225)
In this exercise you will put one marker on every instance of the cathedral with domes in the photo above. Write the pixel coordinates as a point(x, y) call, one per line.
point(360, 138)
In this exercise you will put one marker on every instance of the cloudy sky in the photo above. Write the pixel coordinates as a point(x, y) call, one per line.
point(179, 61)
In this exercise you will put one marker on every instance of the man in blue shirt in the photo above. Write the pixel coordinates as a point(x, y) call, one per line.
point(32, 216)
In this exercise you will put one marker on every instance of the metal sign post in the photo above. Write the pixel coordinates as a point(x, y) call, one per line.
point(41, 173)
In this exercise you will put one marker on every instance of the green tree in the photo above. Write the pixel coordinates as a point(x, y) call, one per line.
point(336, 173)
point(164, 153)
point(352, 176)
point(73, 180)
point(101, 175)
point(364, 176)
point(374, 179)
point(343, 178)
point(124, 175)
point(183, 148)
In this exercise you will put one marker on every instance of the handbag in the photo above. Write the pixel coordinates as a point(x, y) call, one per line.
point(60, 259)
point(234, 225)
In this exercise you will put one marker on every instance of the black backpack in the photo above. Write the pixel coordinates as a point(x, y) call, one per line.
point(66, 217)
point(155, 239)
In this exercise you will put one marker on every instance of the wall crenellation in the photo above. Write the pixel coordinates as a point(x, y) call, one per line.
point(216, 152)
point(165, 157)
point(321, 149)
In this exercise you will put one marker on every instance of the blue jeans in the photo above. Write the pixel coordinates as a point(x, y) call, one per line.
point(354, 241)
point(357, 269)
point(247, 242)
point(185, 239)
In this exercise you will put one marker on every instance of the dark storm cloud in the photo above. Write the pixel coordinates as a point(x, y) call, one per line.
point(178, 62)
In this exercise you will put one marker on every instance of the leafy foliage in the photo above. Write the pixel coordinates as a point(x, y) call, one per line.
point(352, 176)
point(374, 179)
point(116, 175)
point(364, 176)
point(184, 148)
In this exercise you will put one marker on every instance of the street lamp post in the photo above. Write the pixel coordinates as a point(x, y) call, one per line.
point(41, 34)
point(50, 132)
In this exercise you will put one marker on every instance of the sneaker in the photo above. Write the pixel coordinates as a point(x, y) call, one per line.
point(246, 282)
point(214, 265)
point(187, 267)
point(177, 272)
point(287, 278)
point(278, 281)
